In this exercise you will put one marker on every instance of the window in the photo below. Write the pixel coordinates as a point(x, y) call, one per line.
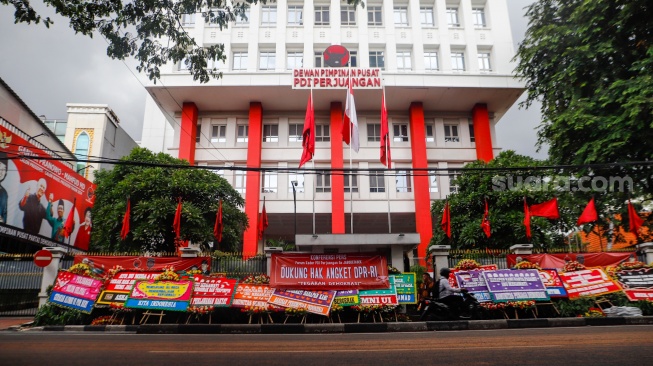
point(451, 133)
point(322, 133)
point(347, 15)
point(218, 172)
point(453, 185)
point(188, 20)
point(374, 16)
point(400, 132)
point(323, 184)
point(240, 178)
point(295, 60)
point(322, 15)
point(242, 19)
point(431, 61)
point(295, 15)
point(184, 65)
point(353, 58)
point(373, 132)
point(404, 61)
point(243, 132)
point(295, 132)
point(377, 59)
point(319, 59)
point(471, 132)
point(377, 181)
point(58, 127)
point(452, 17)
point(479, 17)
point(219, 133)
point(268, 182)
point(240, 61)
point(401, 16)
point(433, 181)
point(484, 61)
point(430, 133)
point(299, 179)
point(402, 180)
point(427, 16)
point(82, 146)
point(268, 15)
point(354, 186)
point(267, 61)
point(198, 135)
point(457, 61)
point(270, 133)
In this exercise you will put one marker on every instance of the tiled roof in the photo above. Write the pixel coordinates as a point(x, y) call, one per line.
point(621, 238)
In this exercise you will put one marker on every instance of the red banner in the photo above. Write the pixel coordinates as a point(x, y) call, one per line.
point(38, 195)
point(213, 291)
point(316, 302)
point(342, 271)
point(252, 296)
point(100, 264)
point(588, 282)
point(558, 260)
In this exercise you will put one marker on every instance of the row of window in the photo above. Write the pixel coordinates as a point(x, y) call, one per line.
point(271, 133)
point(267, 60)
point(321, 16)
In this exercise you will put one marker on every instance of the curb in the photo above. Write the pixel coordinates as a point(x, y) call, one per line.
point(347, 327)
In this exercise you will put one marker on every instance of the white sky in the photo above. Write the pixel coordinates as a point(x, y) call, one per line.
point(48, 68)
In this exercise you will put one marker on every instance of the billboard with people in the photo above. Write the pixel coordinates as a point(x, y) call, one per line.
point(42, 199)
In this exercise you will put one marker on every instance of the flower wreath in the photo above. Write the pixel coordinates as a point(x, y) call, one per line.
point(573, 266)
point(468, 264)
point(527, 265)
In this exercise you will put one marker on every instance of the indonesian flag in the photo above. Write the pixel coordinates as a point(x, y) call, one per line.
point(385, 135)
point(219, 226)
point(589, 214)
point(69, 226)
point(445, 224)
point(527, 220)
point(548, 209)
point(308, 136)
point(634, 221)
point(176, 224)
point(125, 222)
point(350, 123)
point(262, 221)
point(485, 224)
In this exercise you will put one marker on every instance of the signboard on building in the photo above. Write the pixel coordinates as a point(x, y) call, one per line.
point(336, 78)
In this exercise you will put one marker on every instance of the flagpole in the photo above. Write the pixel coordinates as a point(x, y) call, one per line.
point(314, 179)
point(351, 190)
point(387, 162)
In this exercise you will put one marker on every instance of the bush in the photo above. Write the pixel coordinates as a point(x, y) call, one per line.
point(49, 314)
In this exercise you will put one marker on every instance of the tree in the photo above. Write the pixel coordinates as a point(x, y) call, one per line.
point(149, 30)
point(590, 63)
point(153, 182)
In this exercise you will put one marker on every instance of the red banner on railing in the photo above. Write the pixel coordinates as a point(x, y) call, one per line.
point(342, 271)
point(100, 264)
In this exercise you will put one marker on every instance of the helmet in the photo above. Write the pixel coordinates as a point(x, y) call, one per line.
point(444, 272)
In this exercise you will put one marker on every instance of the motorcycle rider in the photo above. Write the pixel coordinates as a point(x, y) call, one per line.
point(447, 294)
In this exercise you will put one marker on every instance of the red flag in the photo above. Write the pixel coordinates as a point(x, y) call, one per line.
point(446, 220)
point(176, 224)
point(350, 123)
point(69, 226)
point(589, 214)
point(385, 135)
point(485, 224)
point(262, 222)
point(634, 221)
point(527, 220)
point(219, 226)
point(308, 136)
point(125, 222)
point(548, 209)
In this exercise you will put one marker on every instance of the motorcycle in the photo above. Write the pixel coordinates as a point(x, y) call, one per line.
point(433, 309)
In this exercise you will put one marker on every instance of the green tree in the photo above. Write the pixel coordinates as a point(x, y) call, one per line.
point(153, 182)
point(590, 64)
point(149, 30)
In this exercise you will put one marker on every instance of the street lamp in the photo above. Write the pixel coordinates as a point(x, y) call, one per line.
point(294, 200)
point(40, 134)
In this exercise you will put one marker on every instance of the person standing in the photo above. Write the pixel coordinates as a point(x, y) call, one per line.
point(56, 222)
point(34, 212)
point(84, 233)
point(425, 289)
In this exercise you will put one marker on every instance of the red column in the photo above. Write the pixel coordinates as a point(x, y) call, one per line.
point(337, 180)
point(482, 133)
point(253, 183)
point(422, 195)
point(188, 132)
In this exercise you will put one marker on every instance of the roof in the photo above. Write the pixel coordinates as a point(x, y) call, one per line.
point(622, 238)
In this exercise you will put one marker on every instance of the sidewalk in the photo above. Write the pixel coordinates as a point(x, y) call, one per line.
point(12, 322)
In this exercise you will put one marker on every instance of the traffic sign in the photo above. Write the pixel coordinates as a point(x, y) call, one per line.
point(43, 258)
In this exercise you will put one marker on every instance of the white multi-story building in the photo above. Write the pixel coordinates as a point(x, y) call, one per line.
point(447, 73)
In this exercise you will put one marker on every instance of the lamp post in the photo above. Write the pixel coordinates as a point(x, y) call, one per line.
point(294, 201)
point(35, 136)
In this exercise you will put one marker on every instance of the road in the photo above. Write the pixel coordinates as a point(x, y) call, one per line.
point(623, 345)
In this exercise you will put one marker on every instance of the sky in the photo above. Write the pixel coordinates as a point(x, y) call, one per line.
point(48, 68)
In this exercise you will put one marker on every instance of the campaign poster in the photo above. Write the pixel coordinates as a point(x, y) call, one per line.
point(342, 271)
point(553, 283)
point(213, 291)
point(250, 295)
point(475, 283)
point(160, 295)
point(637, 283)
point(75, 291)
point(515, 285)
point(347, 298)
point(315, 302)
point(387, 296)
point(588, 282)
point(100, 264)
point(121, 284)
point(38, 193)
point(406, 289)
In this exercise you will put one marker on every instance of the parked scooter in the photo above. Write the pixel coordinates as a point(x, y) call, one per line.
point(434, 310)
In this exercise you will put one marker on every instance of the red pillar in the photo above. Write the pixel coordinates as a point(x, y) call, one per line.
point(337, 180)
point(188, 132)
point(253, 183)
point(482, 133)
point(422, 195)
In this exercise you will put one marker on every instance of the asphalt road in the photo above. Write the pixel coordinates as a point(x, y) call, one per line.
point(617, 345)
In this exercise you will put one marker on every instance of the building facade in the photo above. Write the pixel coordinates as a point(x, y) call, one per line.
point(445, 67)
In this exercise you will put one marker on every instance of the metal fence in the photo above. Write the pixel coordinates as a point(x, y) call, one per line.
point(20, 283)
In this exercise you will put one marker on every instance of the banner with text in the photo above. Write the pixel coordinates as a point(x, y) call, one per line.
point(336, 78)
point(515, 285)
point(120, 285)
point(406, 289)
point(213, 291)
point(316, 302)
point(347, 298)
point(387, 296)
point(248, 296)
point(160, 295)
point(341, 271)
point(553, 283)
point(588, 282)
point(637, 283)
point(475, 283)
point(75, 291)
point(100, 264)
